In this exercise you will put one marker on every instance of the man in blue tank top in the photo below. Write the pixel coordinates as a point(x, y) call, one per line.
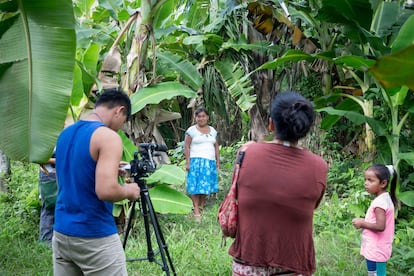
point(88, 154)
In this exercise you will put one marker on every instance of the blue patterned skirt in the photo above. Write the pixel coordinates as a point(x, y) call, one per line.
point(202, 176)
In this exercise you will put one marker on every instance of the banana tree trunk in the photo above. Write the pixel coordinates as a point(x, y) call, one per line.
point(370, 149)
point(142, 129)
point(5, 171)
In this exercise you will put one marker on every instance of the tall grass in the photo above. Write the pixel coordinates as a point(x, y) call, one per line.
point(195, 248)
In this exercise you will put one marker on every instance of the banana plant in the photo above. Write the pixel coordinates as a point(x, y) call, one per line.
point(37, 58)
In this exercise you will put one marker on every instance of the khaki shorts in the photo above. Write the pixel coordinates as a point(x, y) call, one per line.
point(88, 256)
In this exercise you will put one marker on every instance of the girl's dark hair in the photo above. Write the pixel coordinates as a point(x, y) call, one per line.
point(292, 116)
point(199, 110)
point(383, 173)
point(115, 97)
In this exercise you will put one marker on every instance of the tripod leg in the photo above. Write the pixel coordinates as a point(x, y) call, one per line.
point(129, 224)
point(159, 236)
point(150, 252)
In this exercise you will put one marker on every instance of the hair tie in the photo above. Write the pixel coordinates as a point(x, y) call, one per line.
point(390, 169)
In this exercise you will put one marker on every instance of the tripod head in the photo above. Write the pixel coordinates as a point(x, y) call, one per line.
point(142, 167)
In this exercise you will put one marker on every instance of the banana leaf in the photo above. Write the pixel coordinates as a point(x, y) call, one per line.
point(378, 127)
point(407, 198)
point(167, 200)
point(37, 57)
point(167, 174)
point(187, 71)
point(396, 69)
point(156, 93)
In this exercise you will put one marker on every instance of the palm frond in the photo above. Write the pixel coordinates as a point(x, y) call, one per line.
point(238, 83)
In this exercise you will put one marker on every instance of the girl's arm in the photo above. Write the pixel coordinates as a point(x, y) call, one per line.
point(378, 226)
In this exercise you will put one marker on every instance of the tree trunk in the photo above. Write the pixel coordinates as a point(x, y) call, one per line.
point(5, 170)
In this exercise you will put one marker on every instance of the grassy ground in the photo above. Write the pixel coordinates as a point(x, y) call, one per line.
point(195, 248)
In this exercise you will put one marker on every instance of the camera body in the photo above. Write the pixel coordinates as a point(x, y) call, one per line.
point(141, 167)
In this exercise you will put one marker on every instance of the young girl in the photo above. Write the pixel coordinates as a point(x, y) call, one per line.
point(378, 225)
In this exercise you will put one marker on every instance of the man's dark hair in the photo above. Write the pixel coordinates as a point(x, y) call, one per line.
point(115, 97)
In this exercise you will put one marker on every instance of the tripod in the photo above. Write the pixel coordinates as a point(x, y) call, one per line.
point(148, 212)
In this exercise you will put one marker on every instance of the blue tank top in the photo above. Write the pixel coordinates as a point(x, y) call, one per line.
point(79, 212)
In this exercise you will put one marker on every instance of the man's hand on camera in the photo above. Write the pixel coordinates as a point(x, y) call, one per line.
point(132, 191)
point(123, 168)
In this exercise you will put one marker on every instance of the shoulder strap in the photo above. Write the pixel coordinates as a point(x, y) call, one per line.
point(240, 157)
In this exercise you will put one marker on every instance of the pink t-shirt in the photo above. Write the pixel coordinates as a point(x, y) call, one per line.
point(377, 246)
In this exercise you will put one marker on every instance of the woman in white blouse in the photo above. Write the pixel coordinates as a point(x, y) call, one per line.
point(202, 161)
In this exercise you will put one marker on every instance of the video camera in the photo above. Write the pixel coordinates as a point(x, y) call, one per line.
point(141, 167)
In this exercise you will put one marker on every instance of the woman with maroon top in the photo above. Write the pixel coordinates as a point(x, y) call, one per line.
point(279, 186)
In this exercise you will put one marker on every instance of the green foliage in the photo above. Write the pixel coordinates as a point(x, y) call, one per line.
point(403, 248)
point(337, 249)
point(195, 248)
point(177, 154)
point(19, 220)
point(238, 83)
point(22, 199)
point(215, 96)
point(156, 93)
point(37, 57)
point(310, 86)
point(167, 174)
point(85, 74)
point(343, 179)
point(168, 200)
point(185, 69)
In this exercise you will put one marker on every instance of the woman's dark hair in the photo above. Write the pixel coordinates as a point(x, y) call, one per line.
point(115, 97)
point(383, 173)
point(292, 116)
point(199, 110)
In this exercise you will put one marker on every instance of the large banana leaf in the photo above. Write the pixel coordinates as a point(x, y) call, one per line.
point(396, 69)
point(384, 18)
point(289, 56)
point(167, 174)
point(405, 36)
point(37, 56)
point(187, 71)
point(156, 93)
point(407, 198)
point(347, 12)
point(167, 200)
point(357, 118)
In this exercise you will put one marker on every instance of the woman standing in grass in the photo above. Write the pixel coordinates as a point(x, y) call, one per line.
point(279, 186)
point(202, 160)
point(378, 224)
